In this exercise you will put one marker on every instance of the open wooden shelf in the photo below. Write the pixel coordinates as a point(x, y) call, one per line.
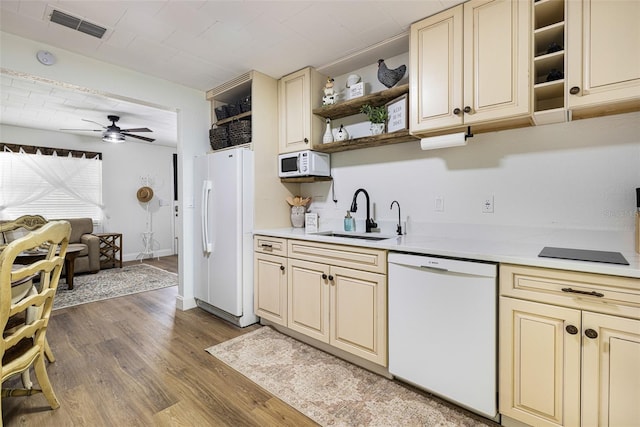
point(352, 106)
point(366, 142)
point(230, 119)
point(306, 179)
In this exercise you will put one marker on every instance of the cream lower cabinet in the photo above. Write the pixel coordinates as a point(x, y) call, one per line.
point(603, 39)
point(270, 279)
point(338, 295)
point(561, 362)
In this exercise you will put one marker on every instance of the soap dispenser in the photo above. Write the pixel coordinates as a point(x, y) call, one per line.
point(349, 222)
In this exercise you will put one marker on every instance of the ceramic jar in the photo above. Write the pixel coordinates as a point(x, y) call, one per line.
point(377, 128)
point(297, 216)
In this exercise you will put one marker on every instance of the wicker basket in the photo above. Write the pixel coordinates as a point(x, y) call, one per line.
point(245, 104)
point(240, 132)
point(218, 137)
point(221, 112)
point(234, 109)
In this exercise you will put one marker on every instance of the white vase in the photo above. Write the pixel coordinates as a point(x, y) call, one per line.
point(377, 128)
point(328, 135)
point(297, 216)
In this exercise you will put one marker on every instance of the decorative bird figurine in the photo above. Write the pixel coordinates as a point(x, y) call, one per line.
point(390, 77)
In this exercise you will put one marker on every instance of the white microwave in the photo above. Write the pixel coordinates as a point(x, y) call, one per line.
point(304, 163)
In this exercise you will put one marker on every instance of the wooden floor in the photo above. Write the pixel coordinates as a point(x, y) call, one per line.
point(137, 361)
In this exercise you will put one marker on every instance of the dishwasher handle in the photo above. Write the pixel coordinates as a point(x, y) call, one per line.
point(429, 267)
point(443, 265)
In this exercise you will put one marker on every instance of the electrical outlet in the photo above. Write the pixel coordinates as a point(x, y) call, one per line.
point(439, 204)
point(487, 204)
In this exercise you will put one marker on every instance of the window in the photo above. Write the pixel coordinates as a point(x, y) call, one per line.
point(50, 185)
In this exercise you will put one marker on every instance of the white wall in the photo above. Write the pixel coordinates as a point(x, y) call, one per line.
point(122, 167)
point(18, 54)
point(581, 174)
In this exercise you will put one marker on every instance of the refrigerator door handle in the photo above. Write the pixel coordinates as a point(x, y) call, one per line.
point(204, 217)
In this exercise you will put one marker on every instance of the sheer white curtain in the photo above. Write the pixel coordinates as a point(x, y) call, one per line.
point(50, 185)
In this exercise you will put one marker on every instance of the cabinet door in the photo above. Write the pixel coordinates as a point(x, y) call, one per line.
point(603, 53)
point(270, 288)
point(308, 306)
point(359, 313)
point(298, 94)
point(539, 363)
point(496, 59)
point(435, 75)
point(611, 371)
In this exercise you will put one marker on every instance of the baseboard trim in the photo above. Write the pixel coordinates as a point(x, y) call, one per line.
point(184, 304)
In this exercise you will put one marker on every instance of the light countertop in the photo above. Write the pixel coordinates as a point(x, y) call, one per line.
point(514, 245)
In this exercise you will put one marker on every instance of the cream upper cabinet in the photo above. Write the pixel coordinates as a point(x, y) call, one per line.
point(469, 65)
point(298, 94)
point(569, 348)
point(603, 39)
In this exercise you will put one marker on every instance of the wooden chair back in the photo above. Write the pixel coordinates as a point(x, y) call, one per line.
point(25, 223)
point(23, 341)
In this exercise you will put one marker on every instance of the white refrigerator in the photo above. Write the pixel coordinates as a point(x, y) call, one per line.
point(224, 242)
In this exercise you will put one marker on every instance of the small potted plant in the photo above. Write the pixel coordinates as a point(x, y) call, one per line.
point(377, 116)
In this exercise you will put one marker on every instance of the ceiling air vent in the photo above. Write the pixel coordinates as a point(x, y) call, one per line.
point(77, 24)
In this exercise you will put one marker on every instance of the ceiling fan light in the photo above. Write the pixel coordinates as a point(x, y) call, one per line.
point(113, 137)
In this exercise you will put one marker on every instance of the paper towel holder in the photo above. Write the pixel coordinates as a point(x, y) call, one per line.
point(468, 134)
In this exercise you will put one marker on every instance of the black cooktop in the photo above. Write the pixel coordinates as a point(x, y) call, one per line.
point(583, 255)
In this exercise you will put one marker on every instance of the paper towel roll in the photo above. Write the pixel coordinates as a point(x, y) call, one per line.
point(443, 141)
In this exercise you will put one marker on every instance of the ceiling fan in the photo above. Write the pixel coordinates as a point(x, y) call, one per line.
point(113, 133)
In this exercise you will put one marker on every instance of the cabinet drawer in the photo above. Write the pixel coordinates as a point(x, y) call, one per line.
point(584, 291)
point(270, 245)
point(374, 260)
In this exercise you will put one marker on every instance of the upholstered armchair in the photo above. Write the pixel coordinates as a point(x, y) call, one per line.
point(88, 259)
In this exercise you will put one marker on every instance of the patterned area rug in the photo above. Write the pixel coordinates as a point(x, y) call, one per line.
point(112, 283)
point(330, 391)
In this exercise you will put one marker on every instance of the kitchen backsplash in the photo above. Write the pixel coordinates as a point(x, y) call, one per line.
point(580, 174)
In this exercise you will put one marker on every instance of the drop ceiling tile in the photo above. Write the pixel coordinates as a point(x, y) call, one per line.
point(32, 9)
point(180, 16)
point(119, 38)
point(139, 22)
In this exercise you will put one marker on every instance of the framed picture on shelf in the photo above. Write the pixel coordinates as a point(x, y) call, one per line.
point(398, 114)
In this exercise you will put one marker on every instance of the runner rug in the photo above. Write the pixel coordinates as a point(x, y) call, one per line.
point(330, 391)
point(111, 283)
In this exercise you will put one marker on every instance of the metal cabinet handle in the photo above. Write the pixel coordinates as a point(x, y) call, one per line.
point(467, 109)
point(282, 268)
point(330, 277)
point(457, 111)
point(267, 246)
point(324, 276)
point(572, 329)
point(306, 140)
point(575, 291)
point(574, 90)
point(590, 333)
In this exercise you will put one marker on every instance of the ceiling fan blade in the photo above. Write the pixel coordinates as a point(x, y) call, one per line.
point(137, 130)
point(85, 130)
point(144, 138)
point(91, 121)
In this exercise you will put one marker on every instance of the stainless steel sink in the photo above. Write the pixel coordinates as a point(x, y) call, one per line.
point(367, 236)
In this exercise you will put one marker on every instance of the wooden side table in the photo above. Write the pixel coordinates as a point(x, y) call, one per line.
point(110, 249)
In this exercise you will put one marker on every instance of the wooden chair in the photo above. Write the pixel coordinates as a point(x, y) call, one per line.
point(24, 323)
point(18, 228)
point(21, 226)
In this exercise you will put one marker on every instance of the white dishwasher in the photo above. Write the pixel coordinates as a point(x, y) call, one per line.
point(443, 328)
